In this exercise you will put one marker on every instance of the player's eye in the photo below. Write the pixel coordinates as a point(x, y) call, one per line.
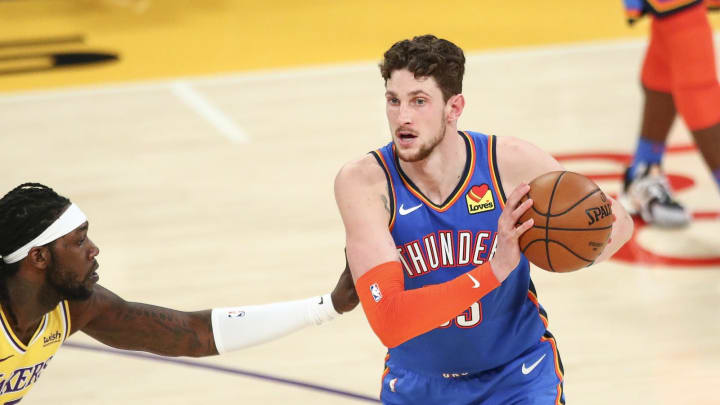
point(420, 101)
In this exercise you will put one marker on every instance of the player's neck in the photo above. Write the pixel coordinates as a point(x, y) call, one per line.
point(438, 174)
point(28, 304)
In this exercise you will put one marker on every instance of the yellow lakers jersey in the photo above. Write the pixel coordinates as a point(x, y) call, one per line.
point(21, 365)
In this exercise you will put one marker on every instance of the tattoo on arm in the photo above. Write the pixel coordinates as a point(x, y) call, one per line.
point(386, 203)
point(137, 326)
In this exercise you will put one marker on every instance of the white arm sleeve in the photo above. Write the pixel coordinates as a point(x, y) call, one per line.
point(238, 327)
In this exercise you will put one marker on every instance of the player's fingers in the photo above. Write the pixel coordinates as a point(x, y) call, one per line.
point(509, 218)
point(517, 212)
point(516, 195)
point(522, 228)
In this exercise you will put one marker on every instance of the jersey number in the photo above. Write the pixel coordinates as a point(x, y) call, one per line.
point(468, 319)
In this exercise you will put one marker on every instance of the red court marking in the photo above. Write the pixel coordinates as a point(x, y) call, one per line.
point(633, 251)
point(678, 182)
point(681, 148)
point(622, 158)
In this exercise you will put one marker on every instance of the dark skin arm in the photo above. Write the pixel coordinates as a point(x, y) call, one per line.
point(137, 326)
point(344, 296)
point(164, 331)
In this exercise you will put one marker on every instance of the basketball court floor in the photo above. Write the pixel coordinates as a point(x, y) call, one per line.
point(208, 177)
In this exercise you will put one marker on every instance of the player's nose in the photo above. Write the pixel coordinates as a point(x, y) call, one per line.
point(405, 114)
point(94, 249)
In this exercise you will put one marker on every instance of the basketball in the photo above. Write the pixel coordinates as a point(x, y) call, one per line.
point(573, 220)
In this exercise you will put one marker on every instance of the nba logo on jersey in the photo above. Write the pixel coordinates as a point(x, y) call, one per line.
point(480, 199)
point(375, 291)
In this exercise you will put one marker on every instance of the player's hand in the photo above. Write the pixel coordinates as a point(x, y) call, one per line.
point(507, 253)
point(344, 297)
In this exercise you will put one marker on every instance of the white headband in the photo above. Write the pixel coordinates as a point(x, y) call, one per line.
point(66, 223)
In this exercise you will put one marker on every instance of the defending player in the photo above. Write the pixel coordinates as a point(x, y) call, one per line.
point(678, 76)
point(440, 275)
point(48, 291)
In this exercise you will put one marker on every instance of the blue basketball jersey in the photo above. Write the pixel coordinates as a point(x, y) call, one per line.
point(437, 243)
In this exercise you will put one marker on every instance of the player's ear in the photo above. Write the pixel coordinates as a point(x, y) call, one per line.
point(39, 257)
point(454, 107)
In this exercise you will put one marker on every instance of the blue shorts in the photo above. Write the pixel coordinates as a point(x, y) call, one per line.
point(533, 378)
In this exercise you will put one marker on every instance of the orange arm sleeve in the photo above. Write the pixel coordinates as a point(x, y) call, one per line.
point(397, 315)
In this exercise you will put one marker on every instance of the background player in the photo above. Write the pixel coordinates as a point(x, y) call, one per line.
point(678, 75)
point(48, 291)
point(408, 225)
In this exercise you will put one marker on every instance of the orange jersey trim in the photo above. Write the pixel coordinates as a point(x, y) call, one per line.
point(633, 15)
point(534, 300)
point(384, 374)
point(387, 369)
point(553, 344)
point(663, 6)
point(492, 166)
point(379, 154)
point(558, 371)
point(458, 192)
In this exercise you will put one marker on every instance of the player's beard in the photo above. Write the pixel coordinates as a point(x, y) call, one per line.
point(426, 149)
point(63, 284)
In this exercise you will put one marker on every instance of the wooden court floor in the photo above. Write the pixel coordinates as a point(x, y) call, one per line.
point(217, 191)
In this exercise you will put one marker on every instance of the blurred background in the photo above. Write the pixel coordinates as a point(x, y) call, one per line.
point(157, 39)
point(202, 140)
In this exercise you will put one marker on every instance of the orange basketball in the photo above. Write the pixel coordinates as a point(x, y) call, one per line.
point(573, 220)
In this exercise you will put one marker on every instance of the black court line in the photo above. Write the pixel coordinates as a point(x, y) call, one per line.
point(39, 62)
point(221, 369)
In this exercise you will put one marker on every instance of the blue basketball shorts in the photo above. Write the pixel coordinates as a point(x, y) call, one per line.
point(533, 378)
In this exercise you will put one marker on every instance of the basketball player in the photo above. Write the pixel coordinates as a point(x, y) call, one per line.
point(678, 75)
point(48, 291)
point(440, 277)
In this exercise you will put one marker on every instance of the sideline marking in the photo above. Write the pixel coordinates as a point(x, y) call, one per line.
point(222, 369)
point(226, 126)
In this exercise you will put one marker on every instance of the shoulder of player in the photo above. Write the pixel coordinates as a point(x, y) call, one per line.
point(512, 155)
point(82, 312)
point(360, 174)
point(521, 161)
point(512, 148)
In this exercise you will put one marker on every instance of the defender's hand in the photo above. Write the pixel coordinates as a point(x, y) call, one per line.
point(344, 297)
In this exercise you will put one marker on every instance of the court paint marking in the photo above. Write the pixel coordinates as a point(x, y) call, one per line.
point(220, 369)
point(204, 108)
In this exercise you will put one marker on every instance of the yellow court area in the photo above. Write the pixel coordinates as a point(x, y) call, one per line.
point(202, 140)
point(168, 38)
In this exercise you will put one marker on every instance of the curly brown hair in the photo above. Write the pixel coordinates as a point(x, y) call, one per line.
point(427, 55)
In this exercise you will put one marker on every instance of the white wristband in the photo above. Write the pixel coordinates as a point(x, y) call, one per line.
point(238, 327)
point(322, 309)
